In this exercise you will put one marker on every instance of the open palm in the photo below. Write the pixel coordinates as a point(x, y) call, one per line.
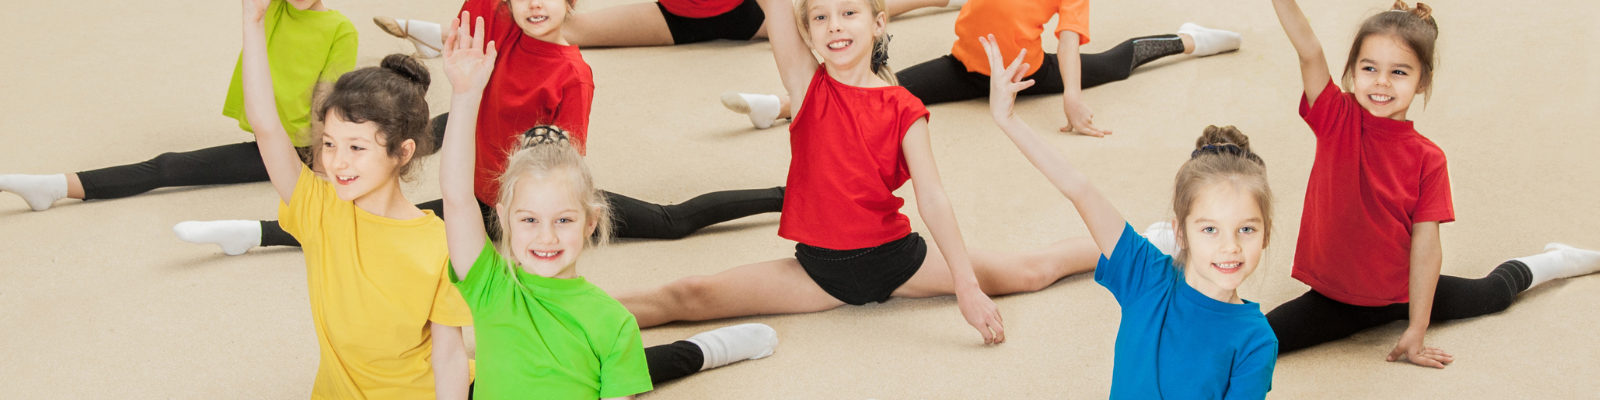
point(468, 62)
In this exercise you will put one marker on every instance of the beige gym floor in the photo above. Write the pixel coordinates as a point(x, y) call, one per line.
point(100, 300)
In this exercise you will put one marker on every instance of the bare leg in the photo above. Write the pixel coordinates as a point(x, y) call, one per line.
point(1001, 273)
point(75, 186)
point(771, 287)
point(1188, 43)
point(628, 25)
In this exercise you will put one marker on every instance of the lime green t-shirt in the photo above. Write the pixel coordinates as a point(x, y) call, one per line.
point(303, 48)
point(549, 338)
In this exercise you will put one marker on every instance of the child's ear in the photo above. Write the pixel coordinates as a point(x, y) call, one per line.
point(592, 222)
point(1177, 234)
point(408, 148)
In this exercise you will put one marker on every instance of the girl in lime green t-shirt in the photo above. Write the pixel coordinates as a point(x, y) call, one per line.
point(542, 330)
point(312, 45)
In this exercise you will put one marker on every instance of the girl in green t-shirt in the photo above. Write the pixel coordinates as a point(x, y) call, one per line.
point(534, 314)
point(312, 46)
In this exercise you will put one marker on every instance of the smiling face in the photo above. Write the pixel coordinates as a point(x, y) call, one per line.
point(541, 19)
point(1387, 76)
point(842, 31)
point(547, 224)
point(356, 158)
point(1224, 235)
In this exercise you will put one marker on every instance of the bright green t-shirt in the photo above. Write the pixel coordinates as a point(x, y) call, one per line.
point(303, 48)
point(549, 338)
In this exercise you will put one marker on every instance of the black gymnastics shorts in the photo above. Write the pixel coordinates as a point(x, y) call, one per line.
point(740, 23)
point(867, 275)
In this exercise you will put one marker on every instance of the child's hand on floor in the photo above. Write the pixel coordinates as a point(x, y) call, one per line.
point(1080, 119)
point(1411, 349)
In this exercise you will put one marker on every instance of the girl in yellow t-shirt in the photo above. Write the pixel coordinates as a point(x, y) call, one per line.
point(387, 320)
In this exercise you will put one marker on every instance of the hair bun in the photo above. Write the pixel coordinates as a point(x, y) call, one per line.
point(1421, 11)
point(409, 68)
point(1224, 140)
point(544, 134)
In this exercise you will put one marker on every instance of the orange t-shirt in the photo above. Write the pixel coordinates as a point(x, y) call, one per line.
point(1016, 25)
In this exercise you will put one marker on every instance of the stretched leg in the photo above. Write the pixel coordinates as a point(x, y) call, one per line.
point(771, 287)
point(1005, 273)
point(1314, 319)
point(639, 219)
point(710, 349)
point(940, 80)
point(234, 163)
point(238, 236)
point(628, 25)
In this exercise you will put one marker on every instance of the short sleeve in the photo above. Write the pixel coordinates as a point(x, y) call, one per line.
point(1252, 374)
point(305, 206)
point(623, 371)
point(573, 112)
point(1433, 198)
point(1330, 108)
point(1135, 267)
point(341, 54)
point(449, 308)
point(911, 110)
point(496, 27)
point(1073, 15)
point(488, 273)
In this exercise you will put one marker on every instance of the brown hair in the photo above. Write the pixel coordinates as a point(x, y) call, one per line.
point(545, 149)
point(1220, 155)
point(1414, 26)
point(880, 43)
point(390, 95)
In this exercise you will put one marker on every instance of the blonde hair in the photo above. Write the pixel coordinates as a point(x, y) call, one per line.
point(1222, 154)
point(545, 150)
point(1415, 27)
point(880, 43)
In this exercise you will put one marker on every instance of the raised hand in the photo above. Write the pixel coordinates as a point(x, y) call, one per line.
point(468, 62)
point(1004, 81)
point(254, 10)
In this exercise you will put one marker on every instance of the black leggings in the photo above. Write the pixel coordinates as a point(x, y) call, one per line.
point(946, 79)
point(1314, 319)
point(232, 163)
point(667, 362)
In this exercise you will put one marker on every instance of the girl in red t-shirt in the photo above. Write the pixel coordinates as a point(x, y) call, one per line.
point(1369, 233)
point(663, 23)
point(529, 37)
point(857, 138)
point(964, 74)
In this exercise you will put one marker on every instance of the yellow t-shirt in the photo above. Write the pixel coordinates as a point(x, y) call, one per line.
point(375, 283)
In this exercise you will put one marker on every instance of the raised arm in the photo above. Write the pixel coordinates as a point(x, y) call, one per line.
point(976, 307)
point(1080, 118)
point(1313, 65)
point(468, 64)
point(1104, 222)
point(261, 108)
point(796, 64)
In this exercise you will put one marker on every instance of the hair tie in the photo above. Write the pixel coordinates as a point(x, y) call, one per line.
point(543, 134)
point(1229, 149)
point(880, 53)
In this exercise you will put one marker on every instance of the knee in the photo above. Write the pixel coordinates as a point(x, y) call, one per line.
point(689, 294)
point(1038, 275)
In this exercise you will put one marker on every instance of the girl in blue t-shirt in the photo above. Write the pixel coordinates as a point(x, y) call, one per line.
point(1184, 330)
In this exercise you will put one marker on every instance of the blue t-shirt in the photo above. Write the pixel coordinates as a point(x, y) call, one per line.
point(1175, 342)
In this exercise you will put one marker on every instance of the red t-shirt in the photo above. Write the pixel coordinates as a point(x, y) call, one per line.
point(1373, 178)
point(534, 83)
point(699, 8)
point(846, 162)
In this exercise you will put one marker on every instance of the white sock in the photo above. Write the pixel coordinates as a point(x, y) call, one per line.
point(1161, 235)
point(1209, 41)
point(956, 3)
point(1560, 261)
point(762, 108)
point(40, 191)
point(235, 236)
point(731, 344)
point(423, 34)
